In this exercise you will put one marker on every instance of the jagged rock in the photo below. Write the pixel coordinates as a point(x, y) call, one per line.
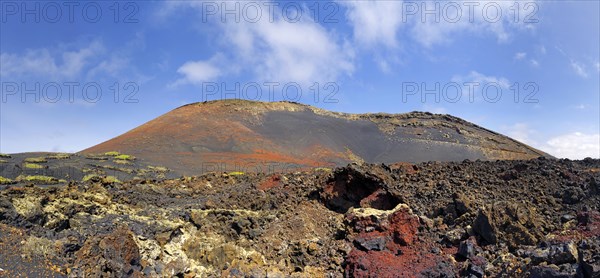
point(573, 195)
point(387, 244)
point(589, 257)
point(356, 186)
point(483, 226)
point(7, 211)
point(116, 253)
point(550, 272)
point(466, 249)
point(377, 243)
point(473, 271)
point(511, 223)
point(454, 236)
point(234, 228)
point(558, 253)
point(566, 218)
point(462, 204)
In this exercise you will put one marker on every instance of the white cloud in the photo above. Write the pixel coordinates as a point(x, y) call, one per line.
point(574, 145)
point(598, 66)
point(521, 132)
point(481, 79)
point(466, 16)
point(375, 22)
point(196, 72)
point(579, 69)
point(113, 65)
point(534, 63)
point(42, 62)
point(300, 52)
point(474, 83)
point(275, 51)
point(520, 55)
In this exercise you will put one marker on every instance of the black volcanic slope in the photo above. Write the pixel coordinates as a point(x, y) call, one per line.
point(237, 135)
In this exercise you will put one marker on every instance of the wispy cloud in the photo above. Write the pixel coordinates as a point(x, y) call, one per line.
point(44, 62)
point(574, 145)
point(579, 69)
point(534, 63)
point(375, 22)
point(429, 32)
point(196, 72)
point(481, 79)
point(520, 55)
point(521, 132)
point(274, 50)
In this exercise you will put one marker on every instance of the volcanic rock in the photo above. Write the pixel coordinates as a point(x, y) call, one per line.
point(247, 136)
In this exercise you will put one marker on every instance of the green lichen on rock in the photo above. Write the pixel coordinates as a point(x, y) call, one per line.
point(33, 166)
point(4, 180)
point(38, 247)
point(323, 169)
point(158, 168)
point(124, 157)
point(96, 157)
point(110, 179)
point(36, 160)
point(91, 177)
point(122, 162)
point(59, 156)
point(38, 179)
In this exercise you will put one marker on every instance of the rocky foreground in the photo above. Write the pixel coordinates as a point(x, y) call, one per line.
point(537, 218)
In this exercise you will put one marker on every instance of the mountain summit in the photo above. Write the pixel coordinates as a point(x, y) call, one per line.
point(240, 135)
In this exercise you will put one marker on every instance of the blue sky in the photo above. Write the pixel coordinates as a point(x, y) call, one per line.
point(75, 76)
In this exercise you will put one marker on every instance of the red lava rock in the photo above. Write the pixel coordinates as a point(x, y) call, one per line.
point(115, 253)
point(589, 223)
point(386, 245)
point(408, 168)
point(273, 181)
point(588, 227)
point(379, 199)
point(355, 186)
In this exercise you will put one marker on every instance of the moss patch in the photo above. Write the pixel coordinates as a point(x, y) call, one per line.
point(323, 169)
point(124, 157)
point(110, 179)
point(3, 155)
point(38, 179)
point(91, 177)
point(59, 156)
point(122, 162)
point(39, 247)
point(33, 166)
point(96, 157)
point(36, 160)
point(158, 169)
point(113, 153)
point(4, 180)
